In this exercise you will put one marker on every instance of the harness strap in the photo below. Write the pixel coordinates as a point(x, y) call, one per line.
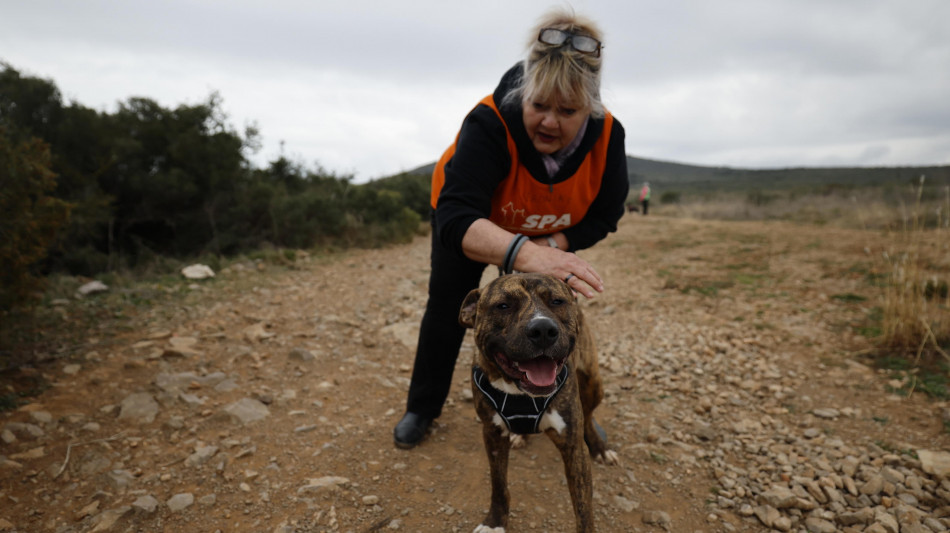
point(521, 412)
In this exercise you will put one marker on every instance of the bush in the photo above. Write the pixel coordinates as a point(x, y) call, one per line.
point(670, 197)
point(31, 218)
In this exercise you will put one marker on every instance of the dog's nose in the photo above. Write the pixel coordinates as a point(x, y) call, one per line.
point(542, 331)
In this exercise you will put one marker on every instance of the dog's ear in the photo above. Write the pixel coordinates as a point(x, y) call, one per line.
point(469, 309)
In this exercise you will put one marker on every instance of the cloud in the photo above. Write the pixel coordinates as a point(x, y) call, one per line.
point(375, 87)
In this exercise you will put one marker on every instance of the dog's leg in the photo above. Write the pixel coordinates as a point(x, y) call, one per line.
point(577, 470)
point(591, 392)
point(497, 445)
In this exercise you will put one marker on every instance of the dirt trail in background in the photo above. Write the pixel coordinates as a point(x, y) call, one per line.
point(266, 401)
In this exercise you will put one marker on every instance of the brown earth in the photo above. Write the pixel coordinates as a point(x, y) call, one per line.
point(705, 328)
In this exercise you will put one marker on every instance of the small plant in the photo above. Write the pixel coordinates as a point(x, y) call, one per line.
point(659, 458)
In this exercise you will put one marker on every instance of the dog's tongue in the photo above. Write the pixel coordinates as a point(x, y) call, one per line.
point(540, 371)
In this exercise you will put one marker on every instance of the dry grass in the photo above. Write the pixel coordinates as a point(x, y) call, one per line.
point(915, 303)
point(915, 319)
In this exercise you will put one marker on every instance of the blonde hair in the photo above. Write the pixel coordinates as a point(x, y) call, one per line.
point(560, 71)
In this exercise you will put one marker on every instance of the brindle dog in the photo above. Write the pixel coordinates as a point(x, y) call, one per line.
point(535, 353)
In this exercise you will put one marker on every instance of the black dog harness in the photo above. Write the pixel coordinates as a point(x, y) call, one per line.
point(521, 412)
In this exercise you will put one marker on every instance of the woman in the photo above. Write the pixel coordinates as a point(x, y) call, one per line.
point(538, 158)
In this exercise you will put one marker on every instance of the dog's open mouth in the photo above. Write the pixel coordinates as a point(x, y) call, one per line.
point(536, 376)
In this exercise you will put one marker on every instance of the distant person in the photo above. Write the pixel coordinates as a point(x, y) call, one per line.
point(537, 172)
point(645, 197)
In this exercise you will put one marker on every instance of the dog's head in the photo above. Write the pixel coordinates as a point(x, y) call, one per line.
point(526, 325)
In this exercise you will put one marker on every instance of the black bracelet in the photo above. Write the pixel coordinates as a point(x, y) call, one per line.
point(508, 264)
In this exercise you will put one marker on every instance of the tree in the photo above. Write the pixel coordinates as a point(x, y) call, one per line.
point(31, 218)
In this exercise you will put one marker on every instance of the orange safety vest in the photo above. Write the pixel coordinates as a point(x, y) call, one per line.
point(522, 204)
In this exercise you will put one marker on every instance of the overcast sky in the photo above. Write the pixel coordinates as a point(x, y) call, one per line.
point(372, 88)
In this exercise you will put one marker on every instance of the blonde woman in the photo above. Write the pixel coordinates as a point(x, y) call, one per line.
point(537, 172)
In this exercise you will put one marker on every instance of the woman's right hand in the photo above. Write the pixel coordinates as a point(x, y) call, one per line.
point(485, 242)
point(576, 272)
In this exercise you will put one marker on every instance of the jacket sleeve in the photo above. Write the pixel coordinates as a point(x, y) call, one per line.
point(608, 206)
point(481, 161)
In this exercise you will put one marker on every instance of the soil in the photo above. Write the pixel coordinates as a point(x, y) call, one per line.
point(703, 324)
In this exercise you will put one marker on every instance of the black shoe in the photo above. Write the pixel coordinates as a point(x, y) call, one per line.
point(410, 430)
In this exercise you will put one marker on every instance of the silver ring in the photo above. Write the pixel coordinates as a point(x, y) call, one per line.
point(568, 278)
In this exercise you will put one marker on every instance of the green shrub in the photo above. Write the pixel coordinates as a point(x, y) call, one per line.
point(670, 197)
point(31, 218)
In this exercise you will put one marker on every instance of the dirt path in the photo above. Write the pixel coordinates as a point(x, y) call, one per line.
point(266, 400)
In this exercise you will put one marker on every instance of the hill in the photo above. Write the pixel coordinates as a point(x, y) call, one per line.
point(671, 175)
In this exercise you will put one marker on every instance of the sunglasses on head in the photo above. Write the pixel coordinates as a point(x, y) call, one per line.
point(582, 43)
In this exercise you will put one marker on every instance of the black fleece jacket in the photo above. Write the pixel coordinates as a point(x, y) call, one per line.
point(481, 161)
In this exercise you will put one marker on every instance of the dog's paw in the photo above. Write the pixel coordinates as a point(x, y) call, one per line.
point(609, 457)
point(517, 441)
point(482, 528)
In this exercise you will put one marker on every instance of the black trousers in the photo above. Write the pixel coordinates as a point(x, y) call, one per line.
point(440, 336)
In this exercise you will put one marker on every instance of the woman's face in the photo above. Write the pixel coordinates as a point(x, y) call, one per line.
point(552, 124)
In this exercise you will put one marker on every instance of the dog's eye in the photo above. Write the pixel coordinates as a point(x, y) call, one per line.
point(558, 302)
point(502, 306)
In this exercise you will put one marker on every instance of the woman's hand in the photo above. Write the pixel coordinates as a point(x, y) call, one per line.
point(485, 242)
point(576, 272)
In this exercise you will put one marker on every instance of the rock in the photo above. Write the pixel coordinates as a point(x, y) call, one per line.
point(41, 417)
point(324, 483)
point(91, 288)
point(819, 525)
point(257, 332)
point(405, 333)
point(861, 516)
point(885, 521)
point(201, 456)
point(139, 407)
point(873, 486)
point(625, 505)
point(24, 430)
point(936, 463)
point(300, 354)
point(180, 502)
point(120, 480)
point(245, 411)
point(767, 514)
point(827, 413)
point(197, 271)
point(704, 431)
point(782, 523)
point(6, 525)
point(88, 510)
point(779, 497)
point(107, 519)
point(657, 518)
point(145, 504)
point(34, 453)
point(92, 462)
point(909, 519)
